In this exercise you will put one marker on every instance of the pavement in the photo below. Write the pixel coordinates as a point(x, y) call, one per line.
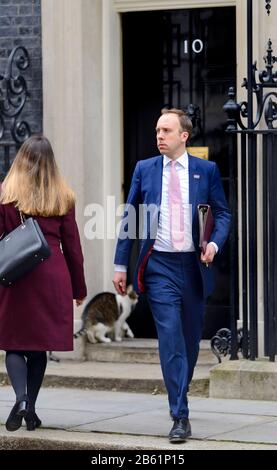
point(91, 419)
point(86, 405)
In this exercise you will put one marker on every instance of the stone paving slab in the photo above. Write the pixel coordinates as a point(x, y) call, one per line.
point(154, 423)
point(253, 433)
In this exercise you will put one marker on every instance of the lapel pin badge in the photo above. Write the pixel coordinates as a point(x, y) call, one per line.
point(197, 177)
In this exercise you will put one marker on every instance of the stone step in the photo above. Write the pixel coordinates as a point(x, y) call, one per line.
point(129, 350)
point(55, 439)
point(138, 350)
point(114, 376)
point(132, 365)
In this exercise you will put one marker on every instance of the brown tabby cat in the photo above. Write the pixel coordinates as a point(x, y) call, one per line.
point(107, 313)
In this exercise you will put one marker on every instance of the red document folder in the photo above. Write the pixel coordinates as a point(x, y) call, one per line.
point(206, 225)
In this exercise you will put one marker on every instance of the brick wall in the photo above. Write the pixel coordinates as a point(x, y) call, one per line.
point(20, 24)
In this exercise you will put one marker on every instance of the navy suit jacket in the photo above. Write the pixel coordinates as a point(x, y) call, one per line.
point(146, 188)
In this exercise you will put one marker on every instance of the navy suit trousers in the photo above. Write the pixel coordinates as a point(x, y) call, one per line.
point(175, 293)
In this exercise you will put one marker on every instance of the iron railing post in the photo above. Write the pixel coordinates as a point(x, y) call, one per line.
point(265, 111)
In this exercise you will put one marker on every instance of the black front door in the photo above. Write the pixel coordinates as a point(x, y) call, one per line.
point(184, 59)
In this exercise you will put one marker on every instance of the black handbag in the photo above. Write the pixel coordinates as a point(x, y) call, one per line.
point(22, 250)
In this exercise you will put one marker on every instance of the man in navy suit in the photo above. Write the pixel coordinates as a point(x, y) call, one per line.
point(171, 269)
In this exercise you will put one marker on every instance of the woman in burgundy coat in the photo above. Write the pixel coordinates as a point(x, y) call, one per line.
point(36, 313)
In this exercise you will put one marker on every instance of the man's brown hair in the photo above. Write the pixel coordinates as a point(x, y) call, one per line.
point(185, 122)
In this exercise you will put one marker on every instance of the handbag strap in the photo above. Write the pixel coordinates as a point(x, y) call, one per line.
point(22, 220)
point(22, 217)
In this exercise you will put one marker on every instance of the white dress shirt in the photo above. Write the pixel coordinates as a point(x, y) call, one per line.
point(163, 240)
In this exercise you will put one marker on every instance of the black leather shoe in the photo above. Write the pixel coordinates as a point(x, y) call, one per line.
point(180, 431)
point(32, 421)
point(16, 415)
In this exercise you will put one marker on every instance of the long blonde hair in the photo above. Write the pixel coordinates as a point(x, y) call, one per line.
point(34, 183)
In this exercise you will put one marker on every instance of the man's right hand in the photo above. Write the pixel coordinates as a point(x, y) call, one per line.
point(119, 281)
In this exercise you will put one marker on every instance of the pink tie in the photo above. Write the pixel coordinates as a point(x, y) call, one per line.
point(176, 210)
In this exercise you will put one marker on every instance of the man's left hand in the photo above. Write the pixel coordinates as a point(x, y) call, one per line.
point(210, 252)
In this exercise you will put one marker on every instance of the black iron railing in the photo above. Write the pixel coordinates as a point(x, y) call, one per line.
point(257, 134)
point(13, 96)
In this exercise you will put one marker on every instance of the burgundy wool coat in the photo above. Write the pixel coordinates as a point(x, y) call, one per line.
point(36, 313)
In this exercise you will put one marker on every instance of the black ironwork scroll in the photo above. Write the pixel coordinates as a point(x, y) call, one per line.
point(13, 95)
